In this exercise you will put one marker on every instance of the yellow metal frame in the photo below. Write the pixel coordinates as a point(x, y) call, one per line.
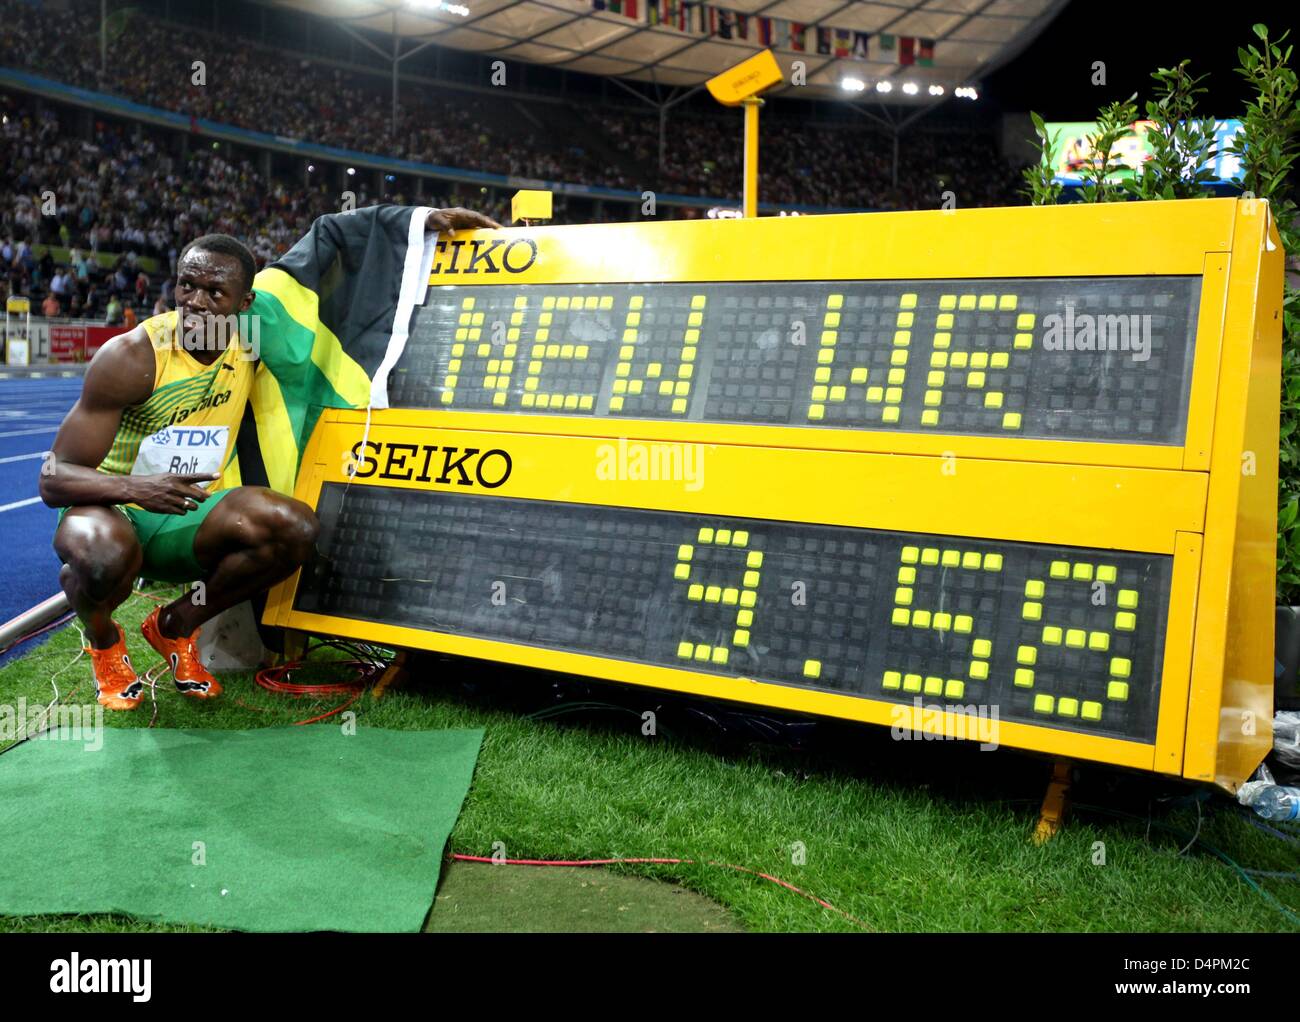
point(1192, 502)
point(1230, 712)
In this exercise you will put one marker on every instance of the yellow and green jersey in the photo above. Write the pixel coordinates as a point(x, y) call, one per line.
point(191, 420)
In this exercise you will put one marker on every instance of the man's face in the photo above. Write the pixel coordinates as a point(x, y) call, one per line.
point(208, 285)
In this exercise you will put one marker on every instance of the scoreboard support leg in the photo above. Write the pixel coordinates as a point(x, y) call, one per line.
point(1056, 803)
point(294, 648)
point(394, 676)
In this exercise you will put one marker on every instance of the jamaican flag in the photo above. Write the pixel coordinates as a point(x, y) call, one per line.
point(332, 318)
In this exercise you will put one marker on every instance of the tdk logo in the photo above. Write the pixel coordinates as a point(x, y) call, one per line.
point(483, 256)
point(214, 437)
point(102, 976)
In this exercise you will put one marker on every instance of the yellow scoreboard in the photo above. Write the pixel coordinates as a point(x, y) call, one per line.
point(896, 468)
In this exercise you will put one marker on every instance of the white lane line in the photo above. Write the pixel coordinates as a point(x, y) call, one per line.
point(20, 503)
point(23, 457)
point(29, 432)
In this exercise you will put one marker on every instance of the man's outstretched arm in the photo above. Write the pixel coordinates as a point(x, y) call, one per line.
point(449, 221)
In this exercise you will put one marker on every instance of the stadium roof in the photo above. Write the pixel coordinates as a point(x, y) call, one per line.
point(970, 37)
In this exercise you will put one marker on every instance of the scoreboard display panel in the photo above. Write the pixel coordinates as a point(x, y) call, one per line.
point(903, 356)
point(909, 469)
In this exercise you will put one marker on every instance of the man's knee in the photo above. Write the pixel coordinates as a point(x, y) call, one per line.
point(258, 517)
point(297, 529)
point(100, 550)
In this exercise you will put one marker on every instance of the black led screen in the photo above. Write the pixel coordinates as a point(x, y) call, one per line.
point(1061, 636)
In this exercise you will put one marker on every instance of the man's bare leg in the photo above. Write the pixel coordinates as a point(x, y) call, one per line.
point(251, 540)
point(101, 559)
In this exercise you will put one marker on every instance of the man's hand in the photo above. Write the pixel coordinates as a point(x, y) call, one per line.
point(170, 494)
point(449, 221)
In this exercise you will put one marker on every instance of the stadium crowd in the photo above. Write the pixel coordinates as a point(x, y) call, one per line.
point(126, 191)
point(269, 90)
point(125, 196)
point(821, 165)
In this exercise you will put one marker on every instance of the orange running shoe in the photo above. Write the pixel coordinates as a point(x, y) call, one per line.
point(116, 686)
point(182, 655)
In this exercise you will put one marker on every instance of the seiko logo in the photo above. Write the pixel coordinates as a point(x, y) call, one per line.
point(462, 466)
point(484, 256)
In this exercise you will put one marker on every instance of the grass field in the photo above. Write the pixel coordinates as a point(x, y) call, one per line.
point(903, 836)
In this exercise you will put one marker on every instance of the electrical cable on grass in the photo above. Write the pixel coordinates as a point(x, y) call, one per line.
point(665, 862)
point(1197, 833)
point(1250, 817)
point(366, 662)
point(58, 699)
point(1245, 874)
point(1241, 870)
point(150, 678)
point(1273, 875)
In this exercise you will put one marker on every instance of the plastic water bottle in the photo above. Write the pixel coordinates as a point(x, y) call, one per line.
point(1278, 803)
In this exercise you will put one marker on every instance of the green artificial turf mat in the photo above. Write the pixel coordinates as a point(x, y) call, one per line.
point(290, 828)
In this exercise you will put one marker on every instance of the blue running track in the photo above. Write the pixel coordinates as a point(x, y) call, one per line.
point(30, 413)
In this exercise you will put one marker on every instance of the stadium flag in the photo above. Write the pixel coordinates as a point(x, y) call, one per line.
point(842, 42)
point(333, 315)
point(888, 48)
point(765, 31)
point(906, 49)
point(925, 53)
point(742, 26)
point(798, 36)
point(630, 9)
point(823, 40)
point(860, 43)
point(713, 19)
point(726, 22)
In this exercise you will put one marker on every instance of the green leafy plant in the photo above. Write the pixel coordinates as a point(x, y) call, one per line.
point(1267, 146)
point(1182, 145)
point(1114, 123)
point(1041, 185)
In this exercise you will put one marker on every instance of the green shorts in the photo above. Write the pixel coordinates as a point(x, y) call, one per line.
point(168, 540)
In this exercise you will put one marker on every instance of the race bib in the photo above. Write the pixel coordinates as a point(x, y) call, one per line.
point(182, 450)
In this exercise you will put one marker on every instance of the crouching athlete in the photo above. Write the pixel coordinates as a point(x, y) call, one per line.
point(136, 469)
